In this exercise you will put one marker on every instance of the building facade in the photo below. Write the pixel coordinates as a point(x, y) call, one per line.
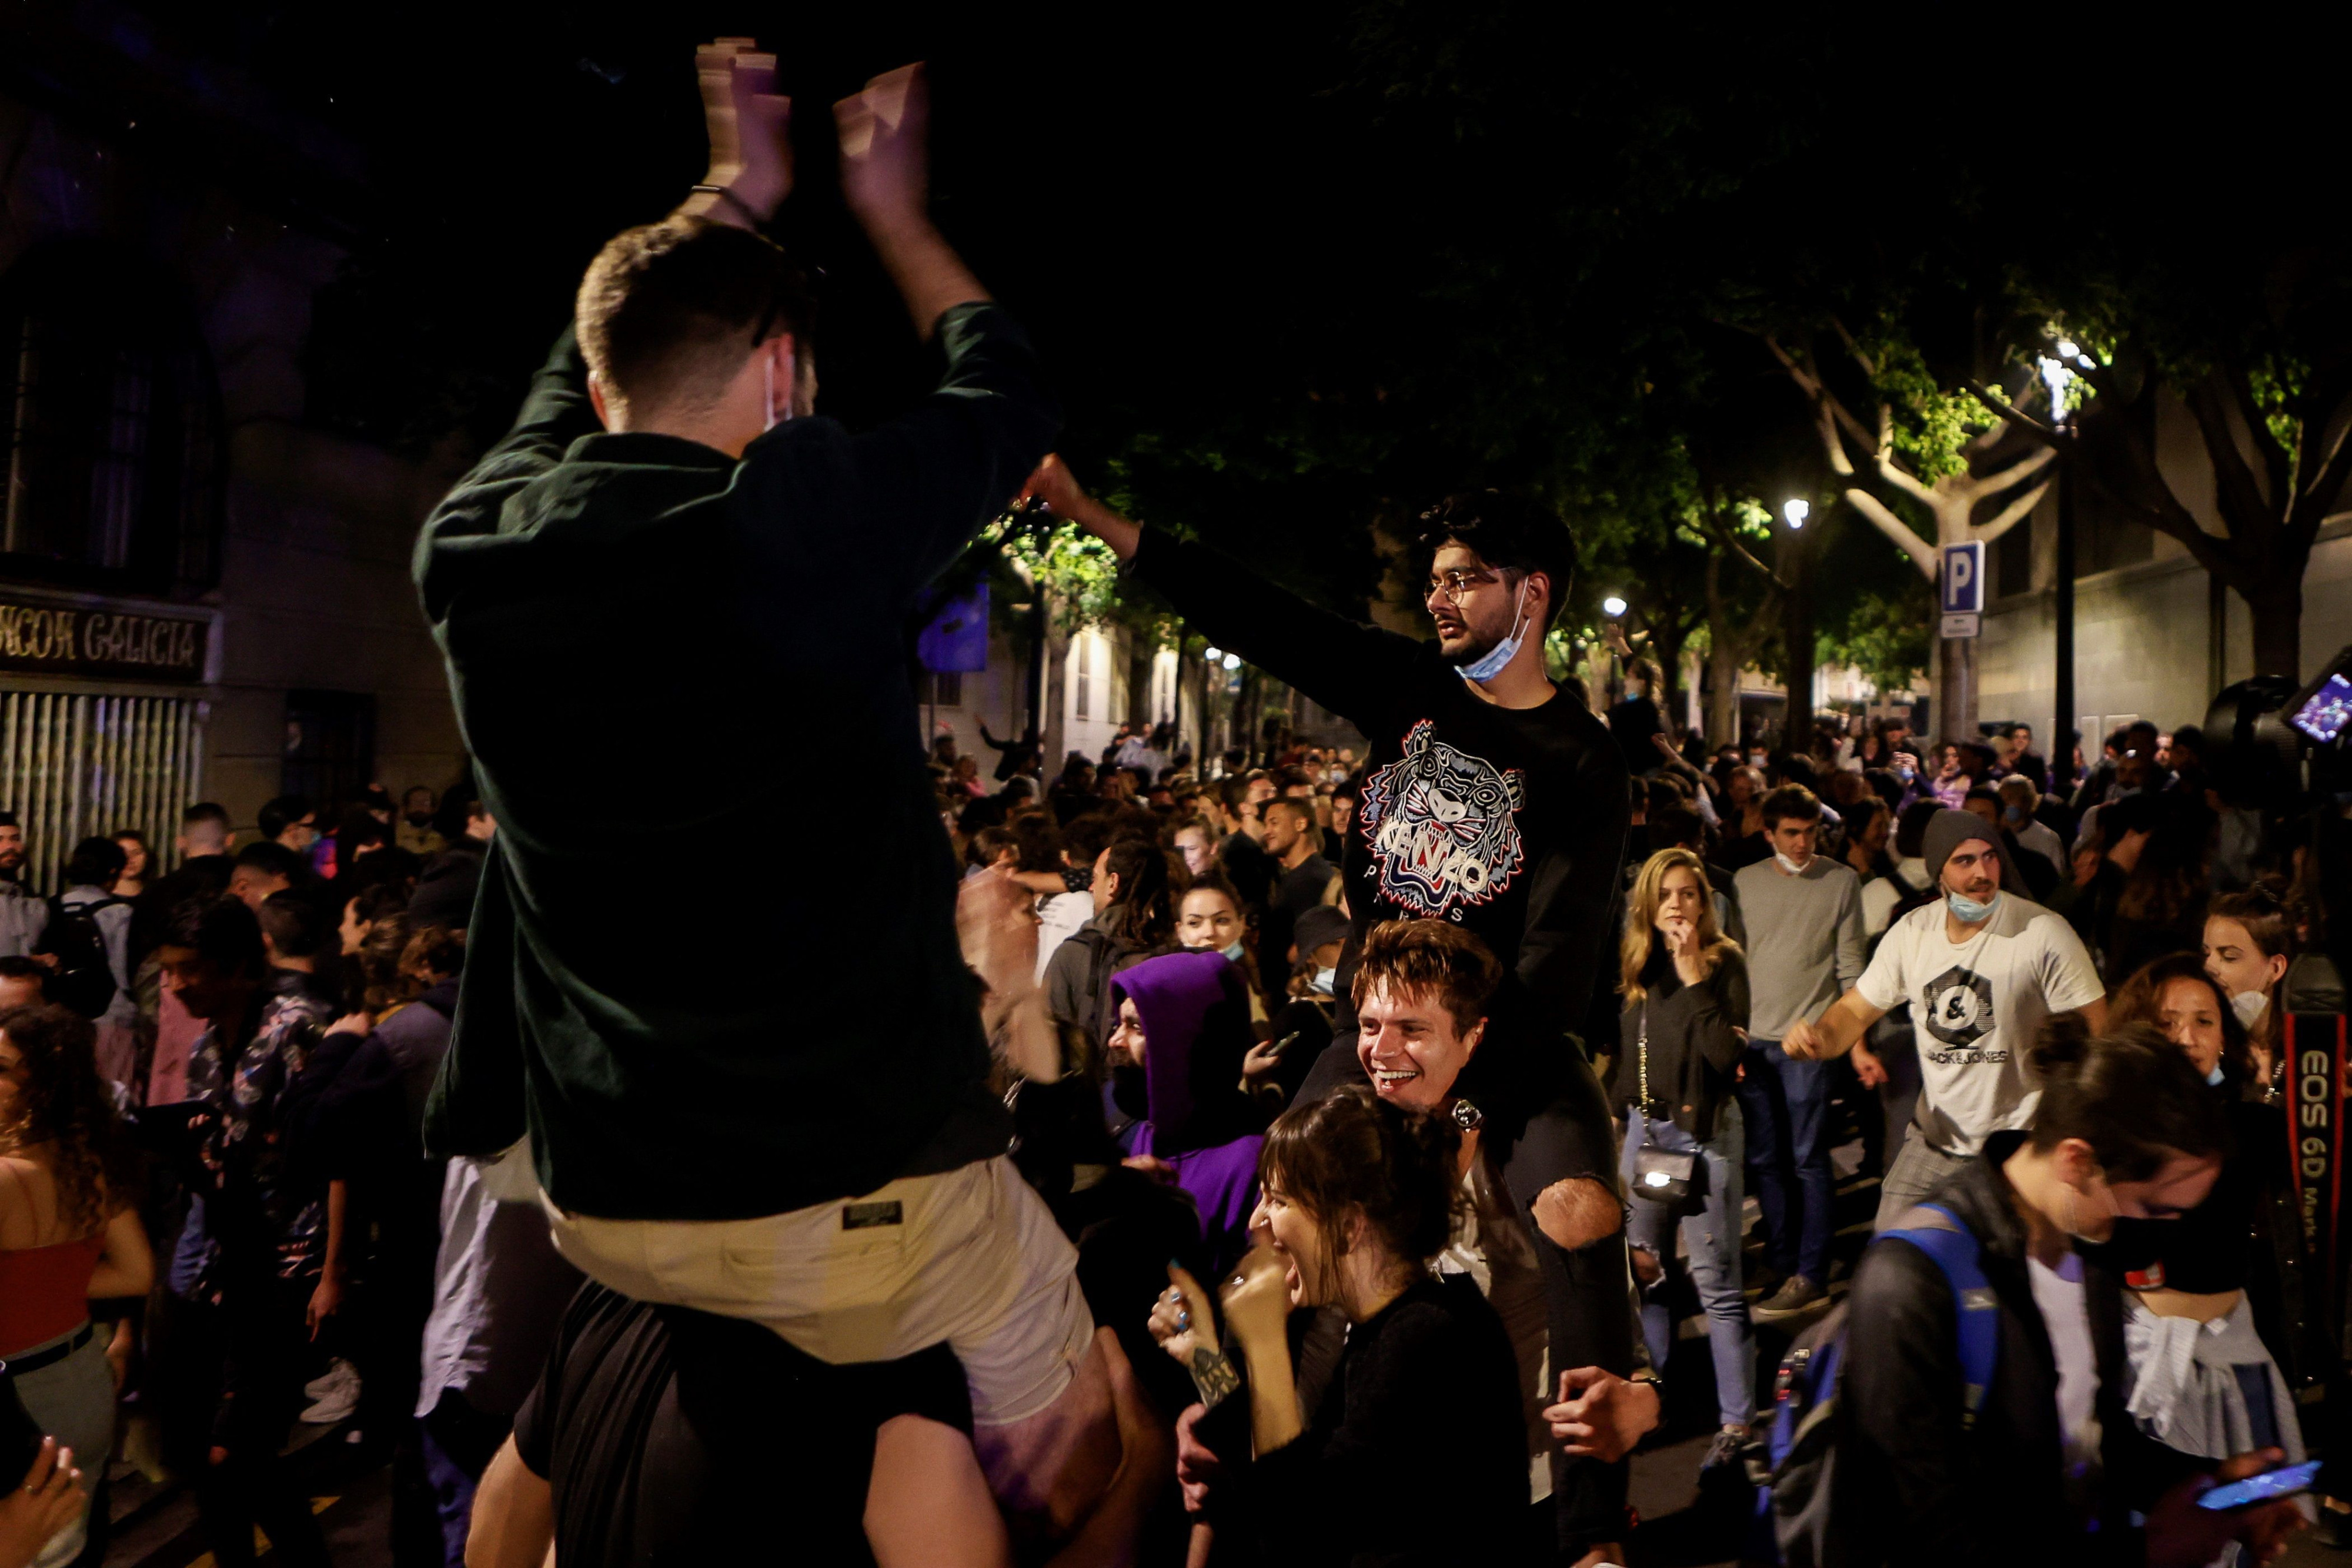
point(2156, 637)
point(203, 595)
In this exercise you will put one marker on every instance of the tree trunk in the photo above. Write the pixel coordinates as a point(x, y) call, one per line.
point(1956, 690)
point(1667, 653)
point(2278, 628)
point(1723, 663)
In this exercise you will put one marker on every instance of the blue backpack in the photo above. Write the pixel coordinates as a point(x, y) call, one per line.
point(1803, 1442)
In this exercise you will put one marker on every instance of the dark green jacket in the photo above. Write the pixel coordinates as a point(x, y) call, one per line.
point(713, 967)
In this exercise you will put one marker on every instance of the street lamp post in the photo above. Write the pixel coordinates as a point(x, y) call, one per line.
point(2055, 374)
point(1797, 628)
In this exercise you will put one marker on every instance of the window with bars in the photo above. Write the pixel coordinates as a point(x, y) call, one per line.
point(73, 766)
point(113, 461)
point(941, 688)
point(1083, 678)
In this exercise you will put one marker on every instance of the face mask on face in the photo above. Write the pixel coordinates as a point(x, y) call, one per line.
point(1324, 980)
point(1233, 954)
point(2013, 815)
point(1792, 867)
point(2133, 1251)
point(2214, 1077)
point(1967, 911)
point(2250, 1006)
point(1482, 670)
point(1130, 1090)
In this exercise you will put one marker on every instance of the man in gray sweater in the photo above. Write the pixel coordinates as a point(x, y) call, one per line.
point(1804, 914)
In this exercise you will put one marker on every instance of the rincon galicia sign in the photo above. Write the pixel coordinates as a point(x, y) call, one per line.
point(53, 640)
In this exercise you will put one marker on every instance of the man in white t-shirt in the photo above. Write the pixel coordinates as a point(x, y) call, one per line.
point(1983, 967)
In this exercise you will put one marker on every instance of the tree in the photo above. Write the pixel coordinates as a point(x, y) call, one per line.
point(2277, 435)
point(1925, 449)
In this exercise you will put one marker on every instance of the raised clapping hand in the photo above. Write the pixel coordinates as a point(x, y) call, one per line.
point(749, 123)
point(885, 171)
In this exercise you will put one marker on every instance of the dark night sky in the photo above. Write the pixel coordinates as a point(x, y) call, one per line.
point(1346, 252)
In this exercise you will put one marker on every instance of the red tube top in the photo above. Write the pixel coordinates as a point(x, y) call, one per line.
point(45, 1291)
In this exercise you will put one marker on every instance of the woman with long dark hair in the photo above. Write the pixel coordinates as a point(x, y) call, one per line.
point(1358, 1197)
point(70, 1233)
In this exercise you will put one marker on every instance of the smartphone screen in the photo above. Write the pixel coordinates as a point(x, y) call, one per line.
point(2322, 717)
point(2285, 1481)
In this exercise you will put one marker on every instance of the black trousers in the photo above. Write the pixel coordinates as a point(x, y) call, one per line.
point(230, 1377)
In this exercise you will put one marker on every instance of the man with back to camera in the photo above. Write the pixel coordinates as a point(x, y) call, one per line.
point(1981, 968)
point(805, 1137)
point(1487, 803)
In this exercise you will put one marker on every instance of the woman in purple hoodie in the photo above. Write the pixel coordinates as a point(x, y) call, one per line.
point(1175, 1096)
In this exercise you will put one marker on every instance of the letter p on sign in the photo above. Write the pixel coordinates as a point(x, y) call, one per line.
point(1961, 582)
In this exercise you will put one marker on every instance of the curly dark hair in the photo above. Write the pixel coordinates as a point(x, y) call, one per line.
point(64, 1107)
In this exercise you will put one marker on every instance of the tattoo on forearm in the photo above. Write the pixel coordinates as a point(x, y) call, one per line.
point(1214, 1377)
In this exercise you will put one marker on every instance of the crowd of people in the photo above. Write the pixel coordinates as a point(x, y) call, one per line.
point(1289, 1154)
point(216, 1216)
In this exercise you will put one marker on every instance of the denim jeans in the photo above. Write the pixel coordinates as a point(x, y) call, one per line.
point(1710, 1223)
point(1787, 1104)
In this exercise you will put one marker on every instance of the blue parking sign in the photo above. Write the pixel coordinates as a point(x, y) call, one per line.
point(1961, 582)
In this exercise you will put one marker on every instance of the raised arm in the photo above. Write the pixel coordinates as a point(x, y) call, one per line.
point(886, 178)
point(1347, 666)
point(751, 165)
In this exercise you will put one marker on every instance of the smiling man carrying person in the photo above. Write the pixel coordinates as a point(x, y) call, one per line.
point(1982, 966)
point(1496, 804)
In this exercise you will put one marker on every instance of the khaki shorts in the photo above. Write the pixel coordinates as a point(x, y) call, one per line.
point(970, 1257)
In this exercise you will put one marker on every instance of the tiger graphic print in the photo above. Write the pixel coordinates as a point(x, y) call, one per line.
point(1443, 827)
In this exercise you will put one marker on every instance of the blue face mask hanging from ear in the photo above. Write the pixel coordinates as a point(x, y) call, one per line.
point(1487, 668)
point(1967, 911)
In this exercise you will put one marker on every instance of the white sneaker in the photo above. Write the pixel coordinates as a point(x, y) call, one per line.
point(334, 1395)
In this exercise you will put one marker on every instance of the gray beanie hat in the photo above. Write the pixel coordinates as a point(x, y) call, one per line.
point(1947, 829)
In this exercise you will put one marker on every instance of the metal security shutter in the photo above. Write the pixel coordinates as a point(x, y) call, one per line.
point(72, 765)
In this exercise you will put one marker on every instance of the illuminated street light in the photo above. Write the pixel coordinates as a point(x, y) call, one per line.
point(1233, 660)
point(2055, 375)
point(1612, 607)
point(1215, 657)
point(1796, 512)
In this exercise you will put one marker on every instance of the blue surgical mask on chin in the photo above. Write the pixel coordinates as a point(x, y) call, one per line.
point(1485, 669)
point(1324, 980)
point(1967, 911)
point(2214, 1077)
point(1233, 954)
